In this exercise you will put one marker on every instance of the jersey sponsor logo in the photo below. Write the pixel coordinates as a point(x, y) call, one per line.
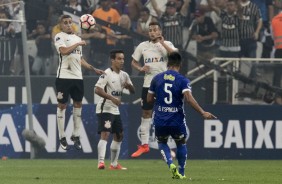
point(108, 124)
point(60, 95)
point(171, 23)
point(246, 17)
point(226, 26)
point(154, 60)
point(116, 93)
point(169, 77)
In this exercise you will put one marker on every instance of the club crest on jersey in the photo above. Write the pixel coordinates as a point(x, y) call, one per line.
point(58, 38)
point(154, 60)
point(60, 95)
point(107, 124)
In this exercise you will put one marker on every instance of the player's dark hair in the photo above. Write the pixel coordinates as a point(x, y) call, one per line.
point(174, 59)
point(64, 17)
point(155, 24)
point(114, 52)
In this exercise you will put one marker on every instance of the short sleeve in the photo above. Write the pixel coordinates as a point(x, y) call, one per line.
point(102, 81)
point(59, 42)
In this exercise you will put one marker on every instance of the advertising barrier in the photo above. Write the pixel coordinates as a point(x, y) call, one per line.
point(240, 132)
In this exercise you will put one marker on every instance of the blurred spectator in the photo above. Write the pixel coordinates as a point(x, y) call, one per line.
point(204, 33)
point(229, 39)
point(55, 11)
point(156, 7)
point(74, 7)
point(277, 37)
point(17, 62)
point(35, 10)
point(131, 8)
point(6, 46)
point(277, 6)
point(125, 43)
point(108, 14)
point(43, 61)
point(144, 21)
point(111, 15)
point(221, 4)
point(172, 26)
point(250, 26)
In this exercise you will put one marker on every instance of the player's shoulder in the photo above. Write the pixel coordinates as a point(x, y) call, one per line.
point(144, 43)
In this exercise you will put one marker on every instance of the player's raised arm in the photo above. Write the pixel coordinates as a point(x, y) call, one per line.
point(87, 66)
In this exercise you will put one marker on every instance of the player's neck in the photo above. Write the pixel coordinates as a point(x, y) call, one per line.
point(115, 69)
point(173, 68)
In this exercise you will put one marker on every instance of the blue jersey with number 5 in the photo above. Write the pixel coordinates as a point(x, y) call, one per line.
point(168, 88)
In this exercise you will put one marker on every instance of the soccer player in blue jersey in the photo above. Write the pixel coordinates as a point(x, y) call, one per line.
point(167, 91)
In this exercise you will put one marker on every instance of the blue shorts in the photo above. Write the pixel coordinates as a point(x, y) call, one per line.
point(176, 132)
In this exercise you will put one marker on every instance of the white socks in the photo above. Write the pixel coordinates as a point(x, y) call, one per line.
point(61, 122)
point(102, 145)
point(115, 150)
point(76, 121)
point(145, 130)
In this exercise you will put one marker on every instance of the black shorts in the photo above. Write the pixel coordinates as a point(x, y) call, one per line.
point(108, 122)
point(144, 104)
point(72, 87)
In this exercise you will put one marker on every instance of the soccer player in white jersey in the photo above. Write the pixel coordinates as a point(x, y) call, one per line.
point(110, 87)
point(69, 81)
point(155, 53)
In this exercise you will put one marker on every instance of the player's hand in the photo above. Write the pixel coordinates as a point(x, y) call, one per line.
point(145, 69)
point(82, 42)
point(160, 39)
point(208, 115)
point(126, 85)
point(98, 71)
point(116, 101)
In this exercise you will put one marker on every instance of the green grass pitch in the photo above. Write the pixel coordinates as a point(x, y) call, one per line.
point(18, 171)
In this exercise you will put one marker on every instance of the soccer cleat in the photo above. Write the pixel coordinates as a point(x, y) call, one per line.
point(141, 149)
point(63, 143)
point(118, 167)
point(101, 165)
point(174, 171)
point(76, 142)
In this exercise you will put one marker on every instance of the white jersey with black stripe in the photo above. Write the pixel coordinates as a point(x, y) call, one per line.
point(69, 65)
point(112, 83)
point(155, 56)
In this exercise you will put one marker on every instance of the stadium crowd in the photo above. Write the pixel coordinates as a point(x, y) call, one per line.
point(207, 22)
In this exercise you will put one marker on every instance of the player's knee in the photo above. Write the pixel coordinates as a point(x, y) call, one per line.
point(62, 106)
point(180, 141)
point(118, 137)
point(162, 139)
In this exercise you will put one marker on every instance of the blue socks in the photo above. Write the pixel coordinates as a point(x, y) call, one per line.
point(181, 156)
point(165, 151)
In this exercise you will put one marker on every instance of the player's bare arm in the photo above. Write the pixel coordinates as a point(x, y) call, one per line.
point(130, 87)
point(87, 66)
point(68, 50)
point(136, 65)
point(99, 91)
point(191, 100)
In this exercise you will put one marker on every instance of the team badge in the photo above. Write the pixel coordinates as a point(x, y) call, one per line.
point(107, 124)
point(58, 38)
point(60, 95)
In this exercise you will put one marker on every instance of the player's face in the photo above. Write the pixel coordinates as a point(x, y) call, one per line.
point(66, 25)
point(154, 32)
point(118, 62)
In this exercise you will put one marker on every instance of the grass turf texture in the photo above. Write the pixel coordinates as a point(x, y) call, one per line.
point(17, 171)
